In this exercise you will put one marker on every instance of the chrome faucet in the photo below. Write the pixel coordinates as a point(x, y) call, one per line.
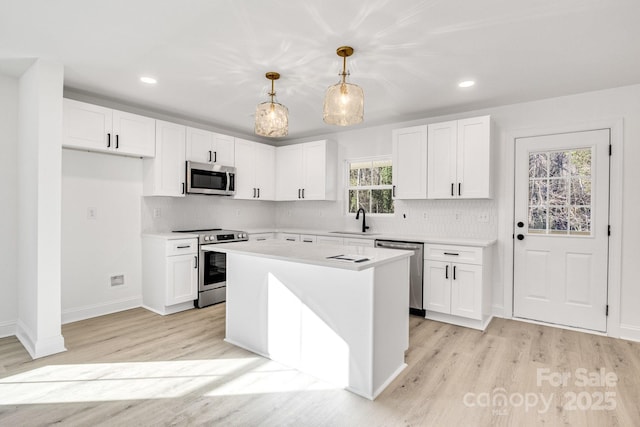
point(364, 224)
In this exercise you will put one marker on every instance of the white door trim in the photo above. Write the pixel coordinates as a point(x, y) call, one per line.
point(506, 210)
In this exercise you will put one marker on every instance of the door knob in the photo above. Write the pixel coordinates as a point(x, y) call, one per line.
point(520, 236)
point(520, 224)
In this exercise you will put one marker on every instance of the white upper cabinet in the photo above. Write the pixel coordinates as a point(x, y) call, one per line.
point(459, 159)
point(306, 171)
point(409, 151)
point(164, 175)
point(255, 170)
point(94, 128)
point(209, 147)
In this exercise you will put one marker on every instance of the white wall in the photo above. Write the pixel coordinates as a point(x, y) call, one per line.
point(201, 212)
point(39, 212)
point(93, 250)
point(9, 202)
point(563, 112)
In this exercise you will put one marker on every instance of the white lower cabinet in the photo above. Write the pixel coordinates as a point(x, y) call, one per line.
point(457, 285)
point(329, 240)
point(352, 241)
point(290, 237)
point(258, 237)
point(169, 274)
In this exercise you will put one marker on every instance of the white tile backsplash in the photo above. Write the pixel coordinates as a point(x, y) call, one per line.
point(195, 211)
point(444, 218)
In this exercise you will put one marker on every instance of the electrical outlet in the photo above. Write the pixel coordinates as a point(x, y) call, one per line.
point(92, 213)
point(424, 215)
point(157, 213)
point(458, 216)
point(237, 212)
point(484, 217)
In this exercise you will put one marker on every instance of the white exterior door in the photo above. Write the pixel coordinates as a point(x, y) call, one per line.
point(561, 229)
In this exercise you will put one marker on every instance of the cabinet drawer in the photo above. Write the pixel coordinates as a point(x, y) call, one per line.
point(329, 240)
point(257, 237)
point(308, 238)
point(453, 253)
point(368, 243)
point(181, 247)
point(289, 237)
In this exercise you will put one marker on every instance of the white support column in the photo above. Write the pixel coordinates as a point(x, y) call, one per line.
point(39, 208)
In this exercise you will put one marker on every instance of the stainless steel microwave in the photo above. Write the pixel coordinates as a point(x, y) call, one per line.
point(205, 178)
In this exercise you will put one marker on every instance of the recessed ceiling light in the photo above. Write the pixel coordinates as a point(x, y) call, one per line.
point(148, 80)
point(466, 83)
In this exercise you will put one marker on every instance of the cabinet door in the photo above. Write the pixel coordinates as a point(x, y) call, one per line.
point(265, 171)
point(134, 135)
point(199, 145)
point(86, 126)
point(245, 169)
point(168, 167)
point(314, 161)
point(466, 291)
point(288, 172)
point(182, 279)
point(409, 147)
point(437, 288)
point(223, 149)
point(474, 158)
point(442, 182)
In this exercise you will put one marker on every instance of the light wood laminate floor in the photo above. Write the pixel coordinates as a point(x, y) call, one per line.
point(138, 368)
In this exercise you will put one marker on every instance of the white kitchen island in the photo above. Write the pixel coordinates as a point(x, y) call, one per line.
point(342, 321)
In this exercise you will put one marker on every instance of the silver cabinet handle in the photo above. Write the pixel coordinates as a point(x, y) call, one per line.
point(393, 191)
point(196, 263)
point(298, 193)
point(451, 253)
point(184, 247)
point(210, 155)
point(117, 141)
point(215, 157)
point(258, 193)
point(108, 140)
point(303, 193)
point(254, 193)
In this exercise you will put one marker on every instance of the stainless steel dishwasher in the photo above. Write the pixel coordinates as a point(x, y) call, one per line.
point(416, 263)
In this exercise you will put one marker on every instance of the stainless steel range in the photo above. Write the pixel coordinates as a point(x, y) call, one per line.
point(212, 266)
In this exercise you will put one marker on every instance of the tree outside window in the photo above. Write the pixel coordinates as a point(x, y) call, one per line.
point(370, 186)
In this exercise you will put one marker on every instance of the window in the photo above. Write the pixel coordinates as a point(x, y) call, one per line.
point(370, 185)
point(560, 192)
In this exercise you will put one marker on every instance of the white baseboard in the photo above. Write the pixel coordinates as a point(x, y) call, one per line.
point(95, 310)
point(38, 348)
point(8, 328)
point(497, 310)
point(629, 332)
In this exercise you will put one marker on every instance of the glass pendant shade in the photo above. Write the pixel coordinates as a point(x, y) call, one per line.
point(272, 118)
point(344, 102)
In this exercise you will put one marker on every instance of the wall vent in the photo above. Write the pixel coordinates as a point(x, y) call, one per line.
point(117, 280)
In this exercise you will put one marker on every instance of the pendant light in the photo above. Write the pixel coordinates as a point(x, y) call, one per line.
point(272, 118)
point(344, 102)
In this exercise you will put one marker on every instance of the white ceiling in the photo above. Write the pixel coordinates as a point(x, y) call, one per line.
point(210, 56)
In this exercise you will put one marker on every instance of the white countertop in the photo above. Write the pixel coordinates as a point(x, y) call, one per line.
point(372, 235)
point(312, 254)
point(170, 236)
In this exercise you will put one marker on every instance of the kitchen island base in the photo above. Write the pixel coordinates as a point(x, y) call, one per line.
point(348, 328)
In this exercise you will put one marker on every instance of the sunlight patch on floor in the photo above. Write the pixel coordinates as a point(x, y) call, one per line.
point(94, 382)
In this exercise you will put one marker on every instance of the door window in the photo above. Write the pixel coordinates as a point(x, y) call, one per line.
point(560, 192)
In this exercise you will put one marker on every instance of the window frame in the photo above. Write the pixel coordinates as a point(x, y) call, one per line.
point(348, 187)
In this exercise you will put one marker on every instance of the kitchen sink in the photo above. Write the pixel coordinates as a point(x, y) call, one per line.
point(354, 233)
